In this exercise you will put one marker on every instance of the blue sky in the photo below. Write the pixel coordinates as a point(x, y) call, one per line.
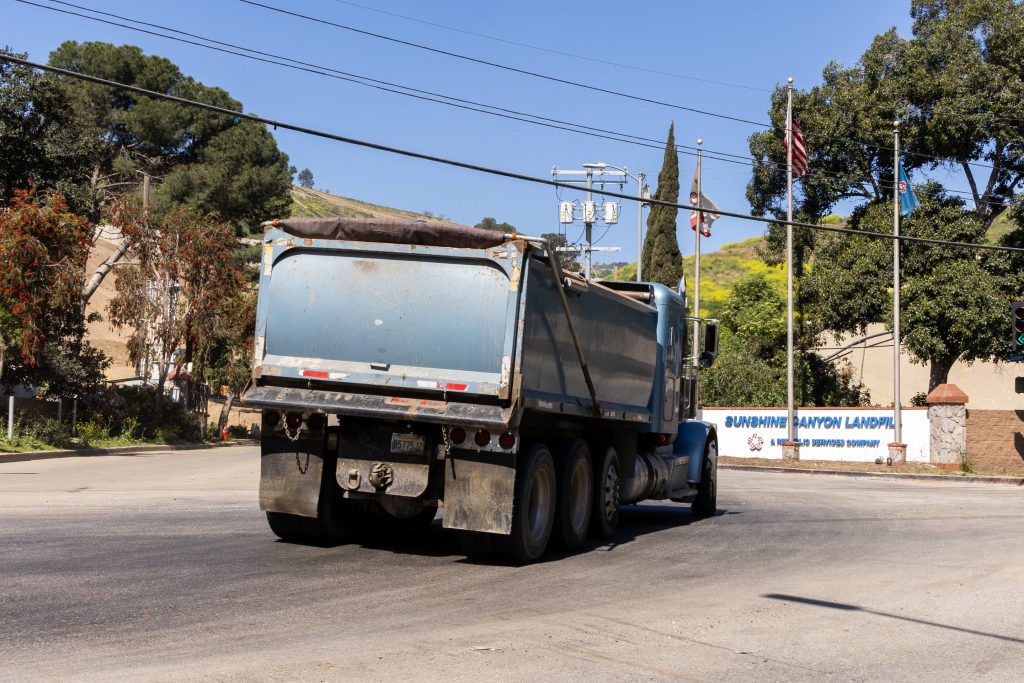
point(751, 44)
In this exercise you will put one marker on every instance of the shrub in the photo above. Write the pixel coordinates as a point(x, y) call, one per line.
point(90, 433)
point(238, 432)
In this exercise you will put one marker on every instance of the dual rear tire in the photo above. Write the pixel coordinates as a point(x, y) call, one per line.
point(558, 501)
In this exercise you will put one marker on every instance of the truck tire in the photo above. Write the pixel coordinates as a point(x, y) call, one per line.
point(534, 506)
point(706, 502)
point(332, 524)
point(575, 479)
point(607, 488)
point(291, 528)
point(335, 519)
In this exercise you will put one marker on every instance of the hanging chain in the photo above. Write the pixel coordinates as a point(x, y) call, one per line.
point(298, 463)
point(447, 441)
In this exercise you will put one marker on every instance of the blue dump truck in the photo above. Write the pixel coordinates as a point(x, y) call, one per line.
point(403, 366)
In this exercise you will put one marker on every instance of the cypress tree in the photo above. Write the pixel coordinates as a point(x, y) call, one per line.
point(662, 261)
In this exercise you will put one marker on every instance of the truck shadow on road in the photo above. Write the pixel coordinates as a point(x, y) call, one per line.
point(635, 521)
point(847, 607)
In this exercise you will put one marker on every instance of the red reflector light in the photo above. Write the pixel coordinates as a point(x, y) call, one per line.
point(316, 422)
point(319, 374)
point(482, 438)
point(662, 439)
point(506, 440)
point(451, 386)
point(457, 435)
point(294, 420)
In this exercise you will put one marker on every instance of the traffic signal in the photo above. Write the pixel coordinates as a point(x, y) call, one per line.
point(1017, 321)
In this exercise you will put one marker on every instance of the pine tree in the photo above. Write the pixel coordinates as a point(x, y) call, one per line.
point(662, 261)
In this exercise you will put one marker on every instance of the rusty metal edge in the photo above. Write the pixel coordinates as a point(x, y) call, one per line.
point(895, 476)
point(121, 450)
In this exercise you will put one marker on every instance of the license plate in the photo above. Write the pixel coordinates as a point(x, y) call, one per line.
point(411, 444)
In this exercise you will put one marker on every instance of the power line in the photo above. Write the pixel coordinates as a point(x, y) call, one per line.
point(505, 67)
point(578, 84)
point(440, 98)
point(386, 86)
point(561, 53)
point(486, 169)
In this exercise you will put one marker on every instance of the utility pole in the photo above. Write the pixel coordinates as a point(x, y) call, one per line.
point(610, 213)
point(588, 217)
point(641, 191)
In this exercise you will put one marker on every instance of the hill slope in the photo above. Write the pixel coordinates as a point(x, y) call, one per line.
point(310, 203)
point(720, 270)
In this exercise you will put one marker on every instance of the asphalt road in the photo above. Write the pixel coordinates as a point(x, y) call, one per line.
point(160, 566)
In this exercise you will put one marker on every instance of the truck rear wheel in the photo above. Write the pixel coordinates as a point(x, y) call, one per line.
point(534, 506)
point(575, 495)
point(606, 494)
point(706, 502)
point(291, 528)
point(332, 524)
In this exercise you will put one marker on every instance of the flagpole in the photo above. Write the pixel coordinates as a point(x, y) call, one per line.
point(696, 262)
point(896, 417)
point(790, 425)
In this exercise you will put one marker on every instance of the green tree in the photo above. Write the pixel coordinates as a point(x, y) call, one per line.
point(138, 135)
point(212, 163)
point(566, 259)
point(240, 177)
point(44, 141)
point(662, 261)
point(950, 85)
point(954, 304)
point(305, 178)
point(751, 366)
point(178, 284)
point(43, 249)
point(490, 223)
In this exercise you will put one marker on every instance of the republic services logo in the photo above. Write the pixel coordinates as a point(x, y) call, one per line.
point(755, 442)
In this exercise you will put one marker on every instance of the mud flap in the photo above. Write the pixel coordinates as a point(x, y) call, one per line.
point(478, 491)
point(290, 475)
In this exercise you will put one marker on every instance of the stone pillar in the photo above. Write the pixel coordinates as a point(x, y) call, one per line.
point(897, 453)
point(947, 419)
point(790, 450)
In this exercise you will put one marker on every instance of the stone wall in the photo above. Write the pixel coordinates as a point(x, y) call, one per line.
point(995, 440)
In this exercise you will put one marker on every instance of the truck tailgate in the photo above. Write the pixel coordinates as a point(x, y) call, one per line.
point(438, 319)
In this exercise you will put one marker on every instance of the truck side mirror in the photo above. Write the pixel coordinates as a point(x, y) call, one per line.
point(710, 351)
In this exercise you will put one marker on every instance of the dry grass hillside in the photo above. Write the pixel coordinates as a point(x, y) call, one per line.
point(310, 203)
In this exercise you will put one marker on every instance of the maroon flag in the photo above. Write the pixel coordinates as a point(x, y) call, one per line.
point(799, 151)
point(709, 211)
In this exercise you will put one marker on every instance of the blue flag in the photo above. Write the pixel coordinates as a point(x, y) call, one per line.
point(908, 200)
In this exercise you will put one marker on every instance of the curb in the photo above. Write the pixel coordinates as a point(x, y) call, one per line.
point(895, 476)
point(121, 450)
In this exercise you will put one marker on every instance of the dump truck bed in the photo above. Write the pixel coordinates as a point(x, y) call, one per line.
point(441, 323)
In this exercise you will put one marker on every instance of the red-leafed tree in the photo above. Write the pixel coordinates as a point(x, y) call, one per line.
point(178, 285)
point(43, 252)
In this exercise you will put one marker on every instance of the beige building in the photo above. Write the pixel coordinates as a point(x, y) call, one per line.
point(989, 386)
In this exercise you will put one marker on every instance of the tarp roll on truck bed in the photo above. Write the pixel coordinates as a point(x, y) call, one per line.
point(390, 230)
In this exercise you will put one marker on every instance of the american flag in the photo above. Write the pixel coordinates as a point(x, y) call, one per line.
point(799, 152)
